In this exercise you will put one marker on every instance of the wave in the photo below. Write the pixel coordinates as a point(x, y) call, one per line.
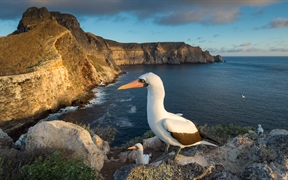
point(56, 116)
point(132, 110)
point(123, 122)
point(124, 100)
point(100, 97)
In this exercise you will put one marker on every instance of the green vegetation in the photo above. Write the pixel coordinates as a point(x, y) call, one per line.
point(44, 164)
point(106, 133)
point(223, 133)
point(56, 167)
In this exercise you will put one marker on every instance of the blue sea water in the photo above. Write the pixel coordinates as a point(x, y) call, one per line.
point(203, 93)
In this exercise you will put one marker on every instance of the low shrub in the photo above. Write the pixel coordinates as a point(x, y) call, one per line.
point(106, 133)
point(56, 166)
point(43, 164)
point(223, 133)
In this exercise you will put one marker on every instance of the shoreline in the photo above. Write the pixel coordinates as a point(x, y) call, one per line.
point(15, 128)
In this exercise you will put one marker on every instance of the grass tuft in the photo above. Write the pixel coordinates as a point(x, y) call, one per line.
point(223, 133)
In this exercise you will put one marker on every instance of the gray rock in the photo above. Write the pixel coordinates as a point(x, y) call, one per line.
point(63, 135)
point(240, 158)
point(258, 171)
point(6, 142)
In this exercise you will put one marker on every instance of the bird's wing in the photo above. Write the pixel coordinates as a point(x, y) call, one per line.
point(184, 131)
point(146, 158)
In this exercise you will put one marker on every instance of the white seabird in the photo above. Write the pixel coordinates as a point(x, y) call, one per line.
point(260, 130)
point(171, 128)
point(244, 97)
point(141, 158)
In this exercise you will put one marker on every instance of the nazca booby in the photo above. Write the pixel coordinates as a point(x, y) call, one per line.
point(170, 128)
point(141, 158)
point(260, 130)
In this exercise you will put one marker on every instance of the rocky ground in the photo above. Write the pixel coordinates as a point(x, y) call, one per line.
point(246, 156)
point(110, 166)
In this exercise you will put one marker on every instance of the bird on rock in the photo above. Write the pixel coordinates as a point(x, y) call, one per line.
point(141, 158)
point(173, 129)
point(260, 130)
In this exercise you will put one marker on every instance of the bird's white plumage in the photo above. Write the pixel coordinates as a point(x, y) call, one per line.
point(260, 129)
point(141, 158)
point(179, 125)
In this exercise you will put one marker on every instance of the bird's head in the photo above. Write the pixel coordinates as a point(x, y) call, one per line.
point(146, 80)
point(136, 147)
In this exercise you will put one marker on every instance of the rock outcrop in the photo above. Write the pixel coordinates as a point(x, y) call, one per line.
point(63, 135)
point(240, 158)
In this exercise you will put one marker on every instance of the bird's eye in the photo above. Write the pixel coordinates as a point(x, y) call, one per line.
point(141, 80)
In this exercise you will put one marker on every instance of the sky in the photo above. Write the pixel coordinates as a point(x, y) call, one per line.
point(223, 27)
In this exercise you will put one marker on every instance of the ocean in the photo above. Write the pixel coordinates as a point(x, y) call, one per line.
point(204, 93)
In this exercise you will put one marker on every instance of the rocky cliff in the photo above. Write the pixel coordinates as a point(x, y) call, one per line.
point(45, 65)
point(159, 53)
point(50, 62)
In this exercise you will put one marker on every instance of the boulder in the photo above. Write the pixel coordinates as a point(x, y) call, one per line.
point(6, 142)
point(101, 144)
point(64, 135)
point(239, 158)
point(153, 143)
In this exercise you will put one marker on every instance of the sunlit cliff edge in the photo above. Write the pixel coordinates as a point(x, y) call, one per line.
point(50, 62)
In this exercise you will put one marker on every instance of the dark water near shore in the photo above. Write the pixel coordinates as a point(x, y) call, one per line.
point(204, 93)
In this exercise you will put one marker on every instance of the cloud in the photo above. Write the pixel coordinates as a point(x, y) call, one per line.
point(245, 50)
point(276, 23)
point(215, 35)
point(245, 44)
point(172, 12)
point(283, 49)
point(279, 23)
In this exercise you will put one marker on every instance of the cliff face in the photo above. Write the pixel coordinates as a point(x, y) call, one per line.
point(50, 62)
point(158, 53)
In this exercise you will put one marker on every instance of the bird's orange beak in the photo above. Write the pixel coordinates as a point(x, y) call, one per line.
point(132, 148)
point(133, 84)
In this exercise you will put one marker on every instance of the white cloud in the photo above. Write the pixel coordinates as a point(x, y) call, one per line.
point(245, 44)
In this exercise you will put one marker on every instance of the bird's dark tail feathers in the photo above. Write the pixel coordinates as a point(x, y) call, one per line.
point(203, 136)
